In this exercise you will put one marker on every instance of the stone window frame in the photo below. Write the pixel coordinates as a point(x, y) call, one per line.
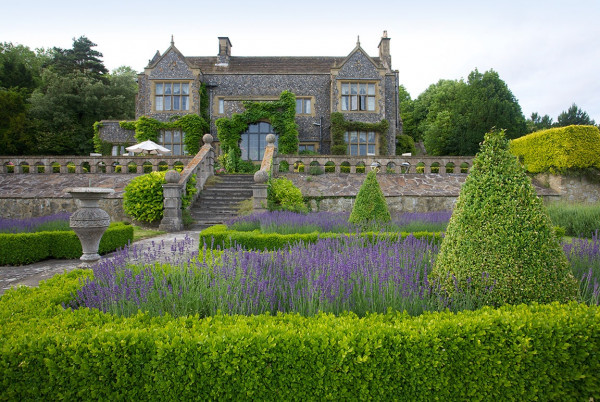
point(172, 144)
point(188, 95)
point(310, 100)
point(314, 145)
point(359, 101)
point(367, 143)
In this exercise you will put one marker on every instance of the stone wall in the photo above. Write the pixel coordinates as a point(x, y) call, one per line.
point(20, 208)
point(571, 189)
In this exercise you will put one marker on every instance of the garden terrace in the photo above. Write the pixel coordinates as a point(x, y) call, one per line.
point(317, 164)
point(89, 164)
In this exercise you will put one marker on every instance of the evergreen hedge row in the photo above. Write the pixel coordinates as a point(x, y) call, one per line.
point(536, 352)
point(222, 237)
point(27, 248)
point(559, 150)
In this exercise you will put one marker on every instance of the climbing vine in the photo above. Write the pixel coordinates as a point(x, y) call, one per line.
point(100, 146)
point(339, 126)
point(280, 113)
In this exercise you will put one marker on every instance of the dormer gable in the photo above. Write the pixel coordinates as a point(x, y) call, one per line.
point(171, 65)
point(358, 65)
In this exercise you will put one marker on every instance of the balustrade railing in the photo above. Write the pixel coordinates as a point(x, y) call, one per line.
point(322, 164)
point(91, 164)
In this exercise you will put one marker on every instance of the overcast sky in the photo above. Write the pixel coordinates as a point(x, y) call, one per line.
point(547, 52)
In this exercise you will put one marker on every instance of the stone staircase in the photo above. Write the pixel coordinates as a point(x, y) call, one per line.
point(220, 198)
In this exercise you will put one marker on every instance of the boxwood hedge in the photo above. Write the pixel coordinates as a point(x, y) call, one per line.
point(27, 248)
point(222, 237)
point(536, 352)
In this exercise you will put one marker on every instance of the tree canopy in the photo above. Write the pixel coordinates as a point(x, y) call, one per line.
point(452, 116)
point(50, 99)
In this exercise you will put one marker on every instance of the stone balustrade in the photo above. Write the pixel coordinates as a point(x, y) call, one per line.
point(318, 164)
point(90, 164)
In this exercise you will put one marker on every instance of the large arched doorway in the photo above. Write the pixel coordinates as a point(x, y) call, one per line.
point(253, 141)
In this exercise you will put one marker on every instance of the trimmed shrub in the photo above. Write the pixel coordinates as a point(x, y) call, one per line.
point(559, 150)
point(218, 236)
point(370, 207)
point(282, 195)
point(27, 248)
point(143, 197)
point(500, 235)
point(538, 352)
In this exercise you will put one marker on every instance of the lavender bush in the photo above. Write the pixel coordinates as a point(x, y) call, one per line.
point(584, 256)
point(58, 221)
point(333, 275)
point(286, 222)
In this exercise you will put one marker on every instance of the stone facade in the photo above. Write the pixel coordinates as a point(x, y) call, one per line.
point(231, 80)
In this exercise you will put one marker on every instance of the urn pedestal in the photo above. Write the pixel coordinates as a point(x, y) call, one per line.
point(89, 221)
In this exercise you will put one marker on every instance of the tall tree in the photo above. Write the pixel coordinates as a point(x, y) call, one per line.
point(537, 122)
point(81, 57)
point(574, 116)
point(453, 116)
point(20, 67)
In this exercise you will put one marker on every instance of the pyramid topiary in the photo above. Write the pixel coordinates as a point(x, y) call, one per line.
point(500, 235)
point(370, 207)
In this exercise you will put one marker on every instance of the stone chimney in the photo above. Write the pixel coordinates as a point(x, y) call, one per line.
point(384, 51)
point(224, 51)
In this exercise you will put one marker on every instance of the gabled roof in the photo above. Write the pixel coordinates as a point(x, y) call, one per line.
point(155, 60)
point(375, 60)
point(269, 65)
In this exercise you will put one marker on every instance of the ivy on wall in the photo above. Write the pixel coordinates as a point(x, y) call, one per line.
point(280, 113)
point(147, 128)
point(339, 126)
point(100, 146)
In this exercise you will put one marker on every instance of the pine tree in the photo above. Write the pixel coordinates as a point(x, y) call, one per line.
point(501, 236)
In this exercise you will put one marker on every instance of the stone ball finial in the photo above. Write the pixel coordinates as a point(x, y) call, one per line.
point(261, 176)
point(172, 176)
point(271, 138)
point(207, 138)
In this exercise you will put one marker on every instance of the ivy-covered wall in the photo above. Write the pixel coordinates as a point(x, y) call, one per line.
point(281, 114)
point(339, 125)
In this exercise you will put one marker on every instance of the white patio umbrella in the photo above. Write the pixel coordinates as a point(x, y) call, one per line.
point(149, 147)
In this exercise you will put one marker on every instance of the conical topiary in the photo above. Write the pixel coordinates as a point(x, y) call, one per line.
point(501, 236)
point(370, 207)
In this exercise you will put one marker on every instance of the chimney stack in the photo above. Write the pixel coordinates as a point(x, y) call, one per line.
point(384, 51)
point(224, 51)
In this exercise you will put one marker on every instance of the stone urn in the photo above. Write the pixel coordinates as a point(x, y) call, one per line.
point(89, 222)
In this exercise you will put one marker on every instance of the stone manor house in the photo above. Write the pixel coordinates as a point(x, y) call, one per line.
point(361, 87)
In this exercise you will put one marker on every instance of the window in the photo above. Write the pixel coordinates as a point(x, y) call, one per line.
point(221, 106)
point(303, 106)
point(173, 139)
point(360, 142)
point(359, 96)
point(254, 141)
point(171, 96)
point(118, 150)
point(307, 148)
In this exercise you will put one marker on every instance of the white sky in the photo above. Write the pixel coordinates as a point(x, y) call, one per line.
point(547, 51)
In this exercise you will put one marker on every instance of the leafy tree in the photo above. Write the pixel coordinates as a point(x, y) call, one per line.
point(13, 121)
point(407, 107)
point(537, 122)
point(20, 67)
point(453, 116)
point(500, 236)
point(574, 116)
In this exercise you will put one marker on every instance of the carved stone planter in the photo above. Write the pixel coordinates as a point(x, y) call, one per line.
point(89, 222)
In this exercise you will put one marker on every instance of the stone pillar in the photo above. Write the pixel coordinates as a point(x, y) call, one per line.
point(171, 221)
point(259, 191)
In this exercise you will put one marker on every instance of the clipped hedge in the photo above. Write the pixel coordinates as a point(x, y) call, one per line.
point(219, 236)
point(537, 352)
point(27, 248)
point(559, 150)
